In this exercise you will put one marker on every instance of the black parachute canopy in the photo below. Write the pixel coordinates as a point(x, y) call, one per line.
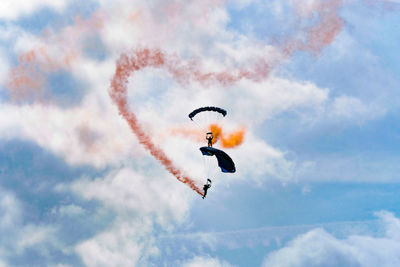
point(224, 161)
point(215, 109)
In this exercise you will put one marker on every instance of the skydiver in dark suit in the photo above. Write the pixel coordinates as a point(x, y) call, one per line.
point(209, 138)
point(206, 187)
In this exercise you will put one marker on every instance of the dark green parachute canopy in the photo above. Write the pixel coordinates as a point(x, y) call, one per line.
point(224, 161)
point(215, 109)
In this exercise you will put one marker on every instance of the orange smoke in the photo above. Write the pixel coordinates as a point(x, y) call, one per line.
point(216, 131)
point(231, 140)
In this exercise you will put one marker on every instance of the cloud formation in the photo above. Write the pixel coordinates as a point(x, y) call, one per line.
point(319, 248)
point(14, 9)
point(203, 261)
point(142, 204)
point(19, 236)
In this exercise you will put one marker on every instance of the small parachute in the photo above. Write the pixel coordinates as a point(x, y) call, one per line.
point(224, 161)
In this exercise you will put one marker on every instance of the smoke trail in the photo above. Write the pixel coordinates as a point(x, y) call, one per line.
point(316, 37)
point(329, 27)
point(125, 66)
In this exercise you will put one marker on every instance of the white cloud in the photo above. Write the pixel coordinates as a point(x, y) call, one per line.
point(305, 8)
point(158, 24)
point(258, 161)
point(82, 135)
point(36, 236)
point(12, 9)
point(68, 210)
point(391, 1)
point(141, 201)
point(206, 261)
point(18, 236)
point(4, 66)
point(10, 210)
point(143, 193)
point(122, 245)
point(352, 108)
point(319, 248)
point(258, 102)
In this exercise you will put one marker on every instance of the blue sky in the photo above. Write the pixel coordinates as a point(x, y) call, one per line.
point(317, 181)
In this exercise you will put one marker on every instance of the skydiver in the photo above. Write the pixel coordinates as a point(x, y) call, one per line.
point(206, 187)
point(209, 138)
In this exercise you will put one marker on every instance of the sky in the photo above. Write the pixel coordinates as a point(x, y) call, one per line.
point(100, 164)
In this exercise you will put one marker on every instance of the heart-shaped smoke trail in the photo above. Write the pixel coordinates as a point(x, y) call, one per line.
point(181, 72)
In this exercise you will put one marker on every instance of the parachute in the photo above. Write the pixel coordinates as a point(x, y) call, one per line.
point(205, 116)
point(224, 161)
point(215, 109)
